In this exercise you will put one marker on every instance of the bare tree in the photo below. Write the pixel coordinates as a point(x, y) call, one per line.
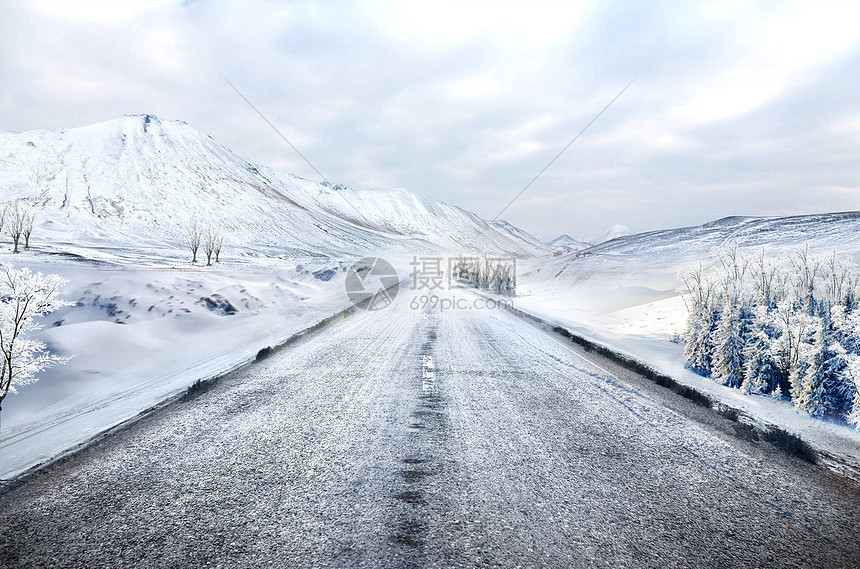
point(218, 245)
point(193, 237)
point(18, 217)
point(4, 209)
point(765, 276)
point(840, 280)
point(734, 264)
point(23, 297)
point(698, 288)
point(211, 242)
point(807, 268)
point(29, 220)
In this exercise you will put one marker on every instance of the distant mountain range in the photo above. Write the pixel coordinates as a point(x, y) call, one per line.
point(567, 244)
point(136, 182)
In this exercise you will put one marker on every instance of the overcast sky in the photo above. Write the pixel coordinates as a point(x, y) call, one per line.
point(737, 108)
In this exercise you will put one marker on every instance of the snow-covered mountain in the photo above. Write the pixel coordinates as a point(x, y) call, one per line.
point(566, 244)
point(518, 235)
point(562, 240)
point(136, 181)
point(613, 232)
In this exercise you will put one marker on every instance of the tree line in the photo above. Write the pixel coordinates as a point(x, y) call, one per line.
point(487, 273)
point(788, 327)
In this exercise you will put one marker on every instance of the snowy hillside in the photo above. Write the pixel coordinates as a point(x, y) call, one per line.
point(652, 258)
point(135, 182)
point(627, 287)
point(518, 235)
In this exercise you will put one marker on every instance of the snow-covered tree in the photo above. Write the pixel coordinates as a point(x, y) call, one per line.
point(701, 322)
point(699, 340)
point(501, 279)
point(727, 367)
point(789, 345)
point(25, 295)
point(852, 370)
point(765, 277)
point(807, 269)
point(787, 327)
point(825, 385)
point(760, 372)
point(734, 270)
point(807, 379)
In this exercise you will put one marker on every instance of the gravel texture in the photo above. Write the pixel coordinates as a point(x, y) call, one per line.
point(428, 438)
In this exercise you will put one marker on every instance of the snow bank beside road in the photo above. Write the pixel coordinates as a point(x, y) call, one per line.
point(642, 331)
point(140, 336)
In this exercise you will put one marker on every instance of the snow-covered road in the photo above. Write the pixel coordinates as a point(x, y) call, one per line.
point(415, 437)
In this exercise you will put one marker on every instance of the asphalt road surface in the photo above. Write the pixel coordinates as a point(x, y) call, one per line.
point(415, 437)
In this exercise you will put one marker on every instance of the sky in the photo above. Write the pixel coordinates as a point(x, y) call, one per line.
point(736, 108)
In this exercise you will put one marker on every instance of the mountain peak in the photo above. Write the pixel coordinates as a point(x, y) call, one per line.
point(613, 232)
point(137, 180)
point(562, 240)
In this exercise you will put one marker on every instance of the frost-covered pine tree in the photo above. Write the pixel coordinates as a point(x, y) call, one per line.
point(727, 364)
point(760, 372)
point(701, 320)
point(25, 295)
point(808, 384)
point(846, 324)
point(698, 340)
point(852, 370)
point(823, 388)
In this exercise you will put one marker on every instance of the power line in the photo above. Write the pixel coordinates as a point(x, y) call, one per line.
point(268, 122)
point(262, 116)
point(557, 156)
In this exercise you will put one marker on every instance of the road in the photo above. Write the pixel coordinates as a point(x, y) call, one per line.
point(416, 437)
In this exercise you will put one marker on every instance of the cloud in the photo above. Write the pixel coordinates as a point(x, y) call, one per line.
point(739, 108)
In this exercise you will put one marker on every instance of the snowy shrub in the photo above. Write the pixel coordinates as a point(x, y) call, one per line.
point(787, 327)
